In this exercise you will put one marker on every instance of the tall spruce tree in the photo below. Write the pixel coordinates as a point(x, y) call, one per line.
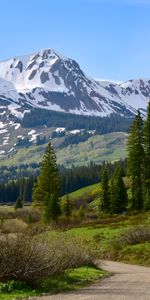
point(105, 192)
point(119, 198)
point(46, 190)
point(67, 207)
point(18, 203)
point(146, 141)
point(136, 162)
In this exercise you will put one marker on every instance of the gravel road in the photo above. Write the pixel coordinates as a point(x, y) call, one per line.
point(128, 282)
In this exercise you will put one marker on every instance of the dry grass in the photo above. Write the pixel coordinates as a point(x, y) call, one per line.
point(22, 214)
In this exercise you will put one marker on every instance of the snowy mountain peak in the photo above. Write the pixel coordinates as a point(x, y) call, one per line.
point(49, 80)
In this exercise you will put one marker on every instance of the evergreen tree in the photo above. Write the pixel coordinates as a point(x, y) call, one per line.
point(146, 140)
point(18, 203)
point(105, 192)
point(67, 207)
point(22, 184)
point(46, 190)
point(119, 198)
point(136, 161)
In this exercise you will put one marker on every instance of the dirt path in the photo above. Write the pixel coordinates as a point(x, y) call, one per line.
point(127, 283)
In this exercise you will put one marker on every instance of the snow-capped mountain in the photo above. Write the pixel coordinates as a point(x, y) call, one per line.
point(51, 81)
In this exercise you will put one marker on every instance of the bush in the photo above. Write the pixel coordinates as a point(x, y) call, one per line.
point(31, 259)
point(134, 236)
point(21, 214)
point(13, 226)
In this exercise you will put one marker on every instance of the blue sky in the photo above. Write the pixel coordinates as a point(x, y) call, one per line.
point(110, 39)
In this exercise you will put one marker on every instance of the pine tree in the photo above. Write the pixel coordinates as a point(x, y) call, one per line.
point(136, 161)
point(18, 203)
point(67, 206)
point(46, 190)
point(21, 189)
point(119, 198)
point(105, 192)
point(146, 141)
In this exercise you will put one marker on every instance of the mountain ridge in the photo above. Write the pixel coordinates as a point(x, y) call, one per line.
point(49, 80)
point(43, 91)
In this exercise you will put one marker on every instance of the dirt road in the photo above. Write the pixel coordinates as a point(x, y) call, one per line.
point(127, 283)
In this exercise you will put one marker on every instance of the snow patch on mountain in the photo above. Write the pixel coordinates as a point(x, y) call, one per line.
point(48, 80)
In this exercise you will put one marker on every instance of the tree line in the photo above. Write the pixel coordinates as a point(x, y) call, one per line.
point(40, 117)
point(114, 196)
point(14, 189)
point(71, 179)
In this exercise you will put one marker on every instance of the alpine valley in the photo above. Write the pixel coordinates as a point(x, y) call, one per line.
point(47, 96)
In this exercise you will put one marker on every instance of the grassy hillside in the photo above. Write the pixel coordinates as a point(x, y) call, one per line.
point(98, 148)
point(108, 147)
point(84, 191)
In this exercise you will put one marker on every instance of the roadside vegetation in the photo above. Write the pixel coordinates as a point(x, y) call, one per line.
point(54, 244)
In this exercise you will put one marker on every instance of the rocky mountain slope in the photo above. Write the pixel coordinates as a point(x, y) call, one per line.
point(51, 82)
point(48, 80)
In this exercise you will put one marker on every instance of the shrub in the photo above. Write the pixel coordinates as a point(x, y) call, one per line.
point(31, 259)
point(13, 226)
point(133, 236)
point(21, 214)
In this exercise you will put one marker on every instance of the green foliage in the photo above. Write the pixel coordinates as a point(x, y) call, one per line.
point(74, 139)
point(135, 162)
point(103, 236)
point(73, 279)
point(81, 212)
point(38, 117)
point(146, 140)
point(12, 285)
point(80, 193)
point(18, 203)
point(52, 208)
point(113, 195)
point(67, 206)
point(70, 180)
point(46, 190)
point(119, 198)
point(105, 192)
point(139, 162)
point(69, 280)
